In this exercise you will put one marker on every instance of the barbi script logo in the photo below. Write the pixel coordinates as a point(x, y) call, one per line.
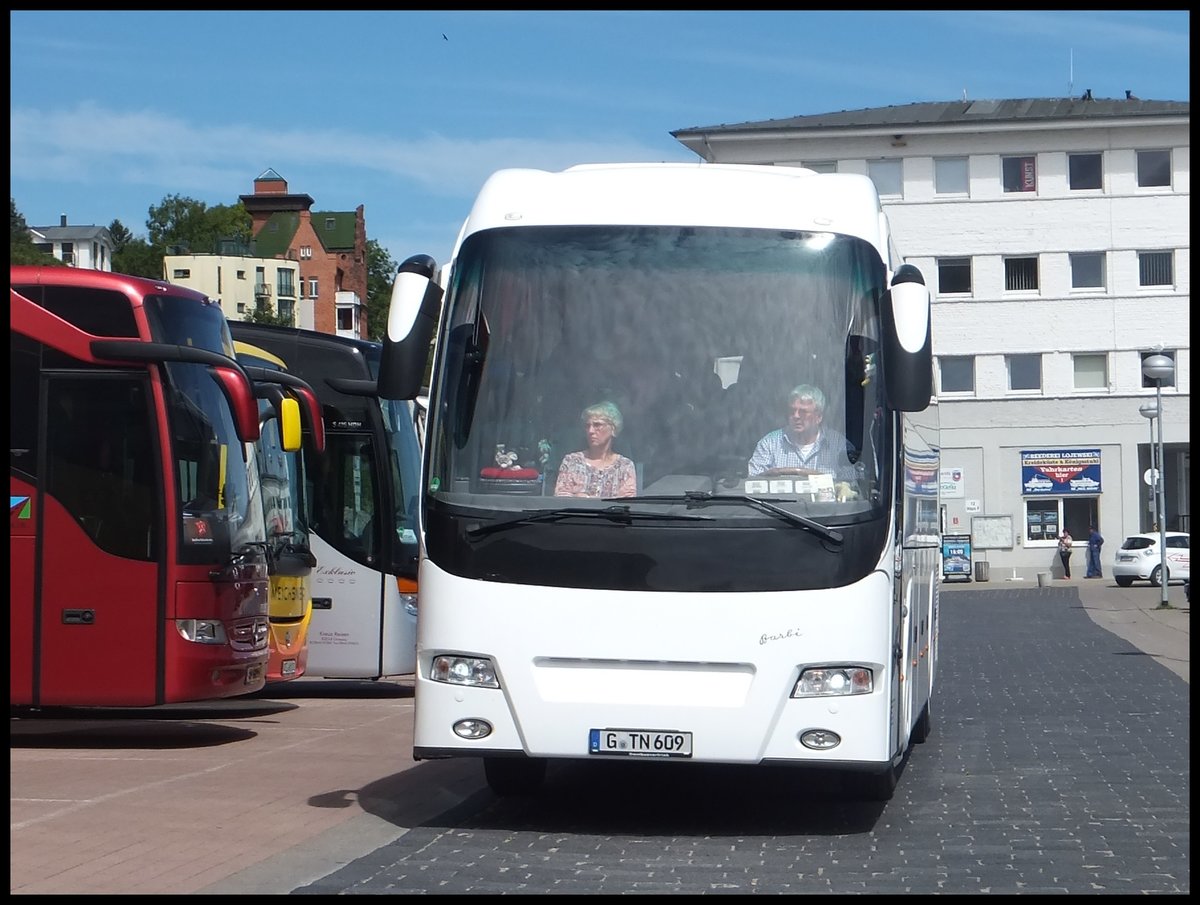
point(779, 636)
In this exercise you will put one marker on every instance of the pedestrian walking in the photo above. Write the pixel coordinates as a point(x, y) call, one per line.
point(1064, 552)
point(1094, 543)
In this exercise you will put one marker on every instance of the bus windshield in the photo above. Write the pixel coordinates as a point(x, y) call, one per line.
point(696, 337)
point(219, 494)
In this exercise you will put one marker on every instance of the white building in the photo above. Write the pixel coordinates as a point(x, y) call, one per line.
point(239, 281)
point(85, 247)
point(1053, 234)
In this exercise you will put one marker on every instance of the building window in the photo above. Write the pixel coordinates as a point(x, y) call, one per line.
point(286, 281)
point(180, 273)
point(957, 373)
point(330, 223)
point(1155, 268)
point(1087, 270)
point(821, 166)
point(46, 247)
point(313, 287)
point(1042, 518)
point(1020, 274)
point(1019, 174)
point(888, 175)
point(950, 176)
point(1024, 372)
point(68, 253)
point(241, 274)
point(1091, 371)
point(1084, 171)
point(305, 252)
point(954, 276)
point(1146, 381)
point(345, 317)
point(1153, 168)
point(241, 307)
point(287, 309)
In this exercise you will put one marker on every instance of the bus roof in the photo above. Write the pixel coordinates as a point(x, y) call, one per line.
point(682, 194)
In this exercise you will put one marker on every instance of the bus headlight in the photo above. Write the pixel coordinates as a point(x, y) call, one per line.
point(455, 669)
point(834, 681)
point(202, 631)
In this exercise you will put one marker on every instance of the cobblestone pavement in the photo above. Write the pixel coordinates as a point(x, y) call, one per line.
point(1059, 763)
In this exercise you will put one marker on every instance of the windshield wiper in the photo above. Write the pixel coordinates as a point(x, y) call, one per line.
point(618, 513)
point(705, 498)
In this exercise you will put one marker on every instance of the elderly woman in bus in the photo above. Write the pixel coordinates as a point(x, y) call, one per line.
point(597, 471)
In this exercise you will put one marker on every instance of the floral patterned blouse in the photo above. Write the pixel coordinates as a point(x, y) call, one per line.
point(577, 478)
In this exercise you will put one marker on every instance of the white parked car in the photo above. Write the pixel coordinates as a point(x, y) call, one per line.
point(1139, 559)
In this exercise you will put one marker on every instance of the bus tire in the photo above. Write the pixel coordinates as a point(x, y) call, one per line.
point(514, 775)
point(924, 724)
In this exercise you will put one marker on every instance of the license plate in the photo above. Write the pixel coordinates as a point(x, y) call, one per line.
point(289, 668)
point(640, 742)
point(253, 674)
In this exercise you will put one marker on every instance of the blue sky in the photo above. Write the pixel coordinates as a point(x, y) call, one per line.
point(407, 113)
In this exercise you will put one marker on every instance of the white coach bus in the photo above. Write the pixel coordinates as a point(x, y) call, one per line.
point(703, 598)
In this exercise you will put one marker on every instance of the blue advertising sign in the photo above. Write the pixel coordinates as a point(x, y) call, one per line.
point(1060, 472)
point(956, 555)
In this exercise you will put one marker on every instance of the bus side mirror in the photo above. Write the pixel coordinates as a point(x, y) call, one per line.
point(288, 412)
point(907, 341)
point(412, 319)
point(238, 390)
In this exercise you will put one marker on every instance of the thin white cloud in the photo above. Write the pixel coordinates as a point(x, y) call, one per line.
point(90, 142)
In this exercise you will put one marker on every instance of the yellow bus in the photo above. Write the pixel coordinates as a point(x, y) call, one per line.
point(279, 467)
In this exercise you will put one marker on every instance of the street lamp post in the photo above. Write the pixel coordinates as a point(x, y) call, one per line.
point(1159, 368)
point(1149, 411)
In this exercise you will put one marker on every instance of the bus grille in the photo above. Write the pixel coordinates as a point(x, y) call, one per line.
point(249, 634)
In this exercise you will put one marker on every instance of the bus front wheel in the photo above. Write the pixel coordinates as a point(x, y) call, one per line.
point(514, 775)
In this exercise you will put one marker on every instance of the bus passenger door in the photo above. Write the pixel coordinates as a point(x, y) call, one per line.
point(100, 613)
point(360, 627)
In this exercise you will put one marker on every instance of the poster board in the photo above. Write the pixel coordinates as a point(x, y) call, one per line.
point(992, 532)
point(956, 556)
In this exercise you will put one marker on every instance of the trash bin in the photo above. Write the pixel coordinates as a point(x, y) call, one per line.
point(1044, 579)
point(981, 571)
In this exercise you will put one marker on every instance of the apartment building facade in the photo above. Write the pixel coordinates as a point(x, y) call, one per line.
point(239, 280)
point(1053, 234)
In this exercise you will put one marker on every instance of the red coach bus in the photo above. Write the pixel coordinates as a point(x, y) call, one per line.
point(138, 556)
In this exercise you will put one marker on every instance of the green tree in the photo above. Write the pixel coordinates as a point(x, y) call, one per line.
point(264, 313)
point(381, 271)
point(195, 228)
point(21, 248)
point(139, 258)
point(121, 235)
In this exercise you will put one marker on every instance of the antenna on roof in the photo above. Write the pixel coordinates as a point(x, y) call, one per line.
point(1071, 76)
